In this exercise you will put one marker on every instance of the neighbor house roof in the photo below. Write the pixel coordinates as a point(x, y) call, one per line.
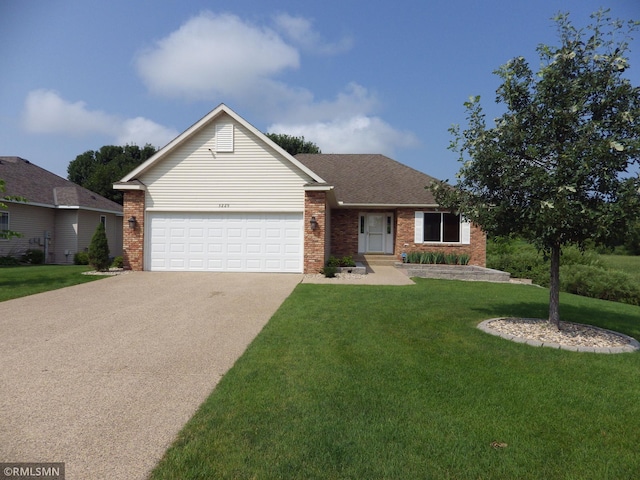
point(41, 187)
point(371, 179)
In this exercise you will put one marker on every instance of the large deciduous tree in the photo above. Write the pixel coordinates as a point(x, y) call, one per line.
point(293, 145)
point(99, 170)
point(556, 169)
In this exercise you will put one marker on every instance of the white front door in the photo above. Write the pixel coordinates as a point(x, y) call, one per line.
point(375, 233)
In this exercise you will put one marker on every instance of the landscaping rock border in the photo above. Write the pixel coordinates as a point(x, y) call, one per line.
point(575, 337)
point(110, 272)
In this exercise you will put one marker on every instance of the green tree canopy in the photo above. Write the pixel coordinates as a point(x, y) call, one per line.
point(293, 145)
point(556, 167)
point(99, 170)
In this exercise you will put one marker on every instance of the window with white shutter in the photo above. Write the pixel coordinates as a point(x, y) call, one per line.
point(441, 227)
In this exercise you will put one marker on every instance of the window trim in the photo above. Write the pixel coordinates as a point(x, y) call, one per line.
point(8, 229)
point(224, 137)
point(419, 230)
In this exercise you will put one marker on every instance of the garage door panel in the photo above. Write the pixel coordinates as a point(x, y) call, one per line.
point(273, 249)
point(225, 242)
point(254, 248)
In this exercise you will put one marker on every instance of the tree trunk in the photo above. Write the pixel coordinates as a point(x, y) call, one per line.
point(554, 290)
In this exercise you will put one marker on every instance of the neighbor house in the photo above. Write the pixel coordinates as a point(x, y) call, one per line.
point(57, 216)
point(223, 197)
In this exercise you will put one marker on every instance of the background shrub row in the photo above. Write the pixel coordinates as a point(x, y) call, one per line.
point(581, 272)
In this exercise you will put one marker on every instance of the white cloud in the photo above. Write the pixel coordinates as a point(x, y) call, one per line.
point(354, 99)
point(347, 124)
point(221, 56)
point(140, 131)
point(46, 112)
point(213, 55)
point(300, 31)
point(357, 134)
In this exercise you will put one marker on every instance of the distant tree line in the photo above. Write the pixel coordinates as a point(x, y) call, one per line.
point(98, 170)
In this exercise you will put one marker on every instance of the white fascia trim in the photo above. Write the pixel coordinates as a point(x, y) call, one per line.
point(31, 204)
point(222, 108)
point(88, 209)
point(129, 186)
point(387, 205)
point(225, 210)
point(318, 188)
point(64, 207)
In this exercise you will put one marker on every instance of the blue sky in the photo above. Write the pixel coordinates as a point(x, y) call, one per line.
point(352, 76)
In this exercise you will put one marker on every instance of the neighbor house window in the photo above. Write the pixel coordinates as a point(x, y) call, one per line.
point(4, 223)
point(103, 220)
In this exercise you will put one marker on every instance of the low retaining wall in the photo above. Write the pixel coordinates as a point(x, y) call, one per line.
point(359, 269)
point(455, 272)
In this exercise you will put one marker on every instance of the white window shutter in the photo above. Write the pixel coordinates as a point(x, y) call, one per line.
point(465, 231)
point(419, 228)
point(224, 137)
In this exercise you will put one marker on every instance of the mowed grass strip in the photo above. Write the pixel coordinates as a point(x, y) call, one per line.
point(626, 263)
point(18, 282)
point(397, 382)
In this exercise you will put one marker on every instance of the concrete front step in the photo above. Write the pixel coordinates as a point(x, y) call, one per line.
point(384, 260)
point(455, 272)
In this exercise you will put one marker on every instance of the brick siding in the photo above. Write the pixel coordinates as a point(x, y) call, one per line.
point(133, 238)
point(344, 232)
point(315, 244)
point(405, 240)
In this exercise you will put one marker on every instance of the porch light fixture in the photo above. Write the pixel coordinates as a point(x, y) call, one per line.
point(314, 223)
point(132, 222)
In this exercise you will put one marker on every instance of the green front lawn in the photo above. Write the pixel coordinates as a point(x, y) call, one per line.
point(22, 281)
point(397, 382)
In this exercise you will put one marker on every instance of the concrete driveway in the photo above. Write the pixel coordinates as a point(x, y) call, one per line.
point(102, 376)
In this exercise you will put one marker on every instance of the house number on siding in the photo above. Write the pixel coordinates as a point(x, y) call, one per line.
point(223, 205)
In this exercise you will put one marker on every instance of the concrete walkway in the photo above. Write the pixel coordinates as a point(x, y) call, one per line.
point(102, 376)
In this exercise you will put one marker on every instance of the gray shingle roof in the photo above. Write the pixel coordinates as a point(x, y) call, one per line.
point(370, 179)
point(38, 185)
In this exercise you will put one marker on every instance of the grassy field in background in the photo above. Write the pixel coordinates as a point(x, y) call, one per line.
point(626, 263)
point(397, 382)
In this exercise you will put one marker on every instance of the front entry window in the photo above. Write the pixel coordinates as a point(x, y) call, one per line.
point(441, 227)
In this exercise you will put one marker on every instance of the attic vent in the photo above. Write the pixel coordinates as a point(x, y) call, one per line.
point(224, 137)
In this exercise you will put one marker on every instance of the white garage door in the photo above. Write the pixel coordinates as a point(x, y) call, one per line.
point(230, 242)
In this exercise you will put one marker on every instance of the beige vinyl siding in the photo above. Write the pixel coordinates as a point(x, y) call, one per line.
point(66, 235)
point(114, 234)
point(32, 222)
point(117, 233)
point(194, 177)
point(88, 222)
